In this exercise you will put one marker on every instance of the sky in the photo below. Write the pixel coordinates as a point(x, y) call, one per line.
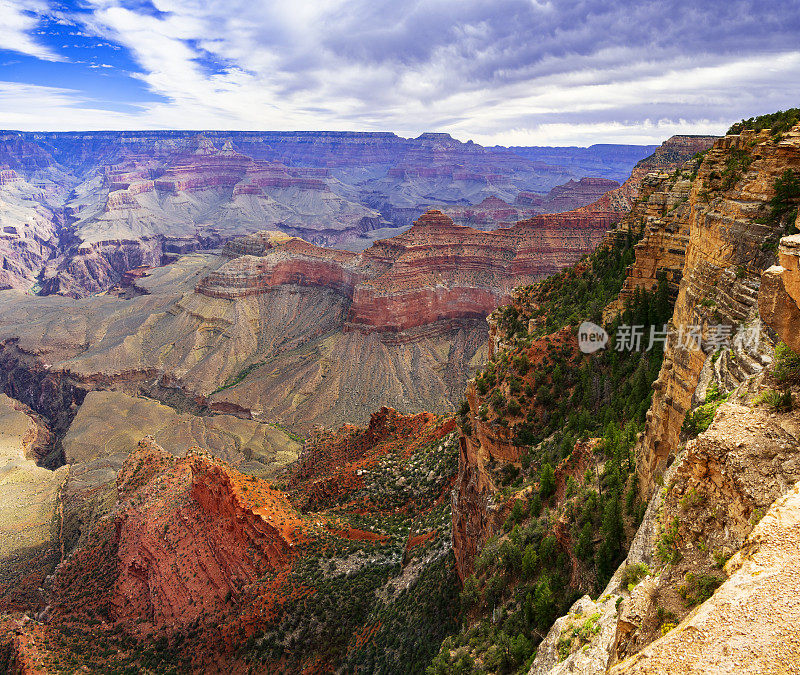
point(508, 72)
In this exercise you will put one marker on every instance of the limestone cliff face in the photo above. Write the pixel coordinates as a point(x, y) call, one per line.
point(670, 155)
point(720, 278)
point(709, 228)
point(779, 295)
point(662, 184)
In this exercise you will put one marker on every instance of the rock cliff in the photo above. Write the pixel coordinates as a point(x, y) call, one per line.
point(77, 210)
point(729, 233)
point(434, 271)
point(707, 236)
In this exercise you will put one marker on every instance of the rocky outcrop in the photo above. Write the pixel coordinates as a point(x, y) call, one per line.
point(749, 624)
point(565, 648)
point(725, 255)
point(493, 212)
point(435, 271)
point(575, 194)
point(213, 563)
point(194, 537)
point(720, 486)
point(779, 294)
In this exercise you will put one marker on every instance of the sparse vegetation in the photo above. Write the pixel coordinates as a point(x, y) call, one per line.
point(698, 588)
point(633, 574)
point(779, 122)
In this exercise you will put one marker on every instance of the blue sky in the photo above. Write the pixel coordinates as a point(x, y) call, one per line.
point(514, 72)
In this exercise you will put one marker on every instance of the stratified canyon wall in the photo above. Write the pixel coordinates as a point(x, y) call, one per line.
point(714, 230)
point(79, 210)
point(726, 219)
point(435, 271)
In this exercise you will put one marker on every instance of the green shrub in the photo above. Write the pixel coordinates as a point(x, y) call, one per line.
point(787, 364)
point(633, 574)
point(778, 122)
point(777, 401)
point(547, 481)
point(667, 545)
point(691, 499)
point(699, 588)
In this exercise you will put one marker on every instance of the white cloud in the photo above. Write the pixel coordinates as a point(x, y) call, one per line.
point(495, 72)
point(18, 19)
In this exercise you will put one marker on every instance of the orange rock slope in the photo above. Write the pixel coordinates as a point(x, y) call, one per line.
point(206, 562)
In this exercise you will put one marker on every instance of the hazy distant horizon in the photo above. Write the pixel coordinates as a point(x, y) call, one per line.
point(200, 132)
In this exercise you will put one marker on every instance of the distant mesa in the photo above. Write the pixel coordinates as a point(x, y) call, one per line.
point(84, 208)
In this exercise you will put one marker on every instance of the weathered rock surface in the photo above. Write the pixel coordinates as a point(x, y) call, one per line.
point(282, 355)
point(750, 623)
point(779, 294)
point(563, 651)
point(110, 424)
point(435, 271)
point(725, 256)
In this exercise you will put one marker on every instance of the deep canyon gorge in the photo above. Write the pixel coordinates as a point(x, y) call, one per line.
point(314, 402)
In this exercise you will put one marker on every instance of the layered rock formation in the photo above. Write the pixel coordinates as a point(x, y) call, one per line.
point(493, 212)
point(279, 356)
point(211, 566)
point(230, 529)
point(725, 256)
point(709, 229)
point(79, 210)
point(435, 271)
point(604, 160)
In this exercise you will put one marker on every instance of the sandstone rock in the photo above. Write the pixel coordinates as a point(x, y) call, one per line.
point(749, 624)
point(720, 277)
point(581, 641)
point(435, 271)
point(779, 294)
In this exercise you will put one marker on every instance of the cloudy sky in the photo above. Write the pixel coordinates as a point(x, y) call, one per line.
point(512, 72)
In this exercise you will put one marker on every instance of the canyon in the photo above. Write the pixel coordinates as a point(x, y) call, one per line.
point(277, 328)
point(79, 210)
point(525, 506)
point(713, 456)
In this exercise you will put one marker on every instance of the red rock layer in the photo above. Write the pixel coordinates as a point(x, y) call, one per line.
point(434, 271)
point(333, 470)
point(193, 537)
